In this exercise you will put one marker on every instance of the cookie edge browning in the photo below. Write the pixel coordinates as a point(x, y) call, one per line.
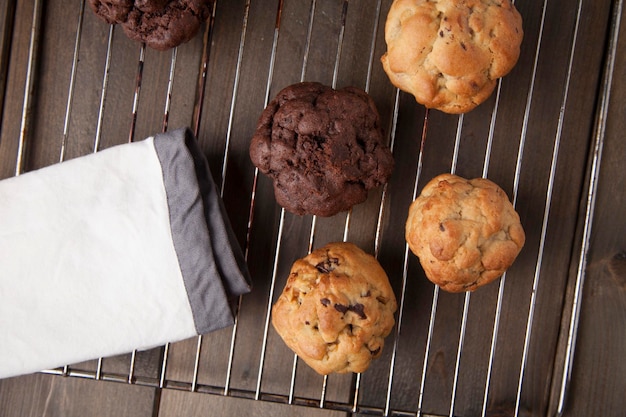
point(439, 271)
point(285, 318)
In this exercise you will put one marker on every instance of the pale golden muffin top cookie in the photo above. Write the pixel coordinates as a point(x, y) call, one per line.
point(449, 53)
point(466, 233)
point(336, 309)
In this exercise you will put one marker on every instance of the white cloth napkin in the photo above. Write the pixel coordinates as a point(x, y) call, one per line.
point(127, 248)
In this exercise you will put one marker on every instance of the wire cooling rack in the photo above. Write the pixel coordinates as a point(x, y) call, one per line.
point(507, 348)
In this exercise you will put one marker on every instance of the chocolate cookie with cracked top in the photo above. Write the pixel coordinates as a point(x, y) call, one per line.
point(336, 309)
point(161, 24)
point(176, 23)
point(323, 148)
point(116, 11)
point(466, 233)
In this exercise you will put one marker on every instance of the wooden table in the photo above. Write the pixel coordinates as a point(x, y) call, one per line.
point(551, 136)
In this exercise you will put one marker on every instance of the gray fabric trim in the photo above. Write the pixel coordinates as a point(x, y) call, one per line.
point(200, 244)
point(228, 254)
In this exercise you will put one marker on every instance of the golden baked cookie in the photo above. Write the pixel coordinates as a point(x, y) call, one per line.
point(449, 53)
point(466, 233)
point(336, 309)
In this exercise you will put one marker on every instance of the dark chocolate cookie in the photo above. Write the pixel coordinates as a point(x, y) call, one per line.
point(171, 26)
point(161, 24)
point(111, 11)
point(323, 148)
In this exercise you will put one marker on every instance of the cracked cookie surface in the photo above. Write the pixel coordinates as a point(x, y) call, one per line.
point(323, 148)
point(466, 233)
point(161, 24)
point(336, 309)
point(449, 53)
point(171, 26)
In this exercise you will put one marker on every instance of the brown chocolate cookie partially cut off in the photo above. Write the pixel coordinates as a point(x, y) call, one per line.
point(160, 24)
point(171, 26)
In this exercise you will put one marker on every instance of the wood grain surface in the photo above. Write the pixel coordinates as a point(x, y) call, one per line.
point(497, 351)
point(598, 372)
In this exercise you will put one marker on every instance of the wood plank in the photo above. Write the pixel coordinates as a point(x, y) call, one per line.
point(543, 139)
point(14, 90)
point(179, 403)
point(598, 383)
point(7, 14)
point(49, 395)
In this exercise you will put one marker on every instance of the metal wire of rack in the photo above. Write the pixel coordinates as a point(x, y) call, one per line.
point(357, 397)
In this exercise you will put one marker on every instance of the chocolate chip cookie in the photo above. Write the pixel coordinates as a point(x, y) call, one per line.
point(449, 53)
point(336, 309)
point(323, 148)
point(466, 233)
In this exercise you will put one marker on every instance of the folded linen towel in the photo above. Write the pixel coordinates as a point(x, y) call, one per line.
point(127, 248)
